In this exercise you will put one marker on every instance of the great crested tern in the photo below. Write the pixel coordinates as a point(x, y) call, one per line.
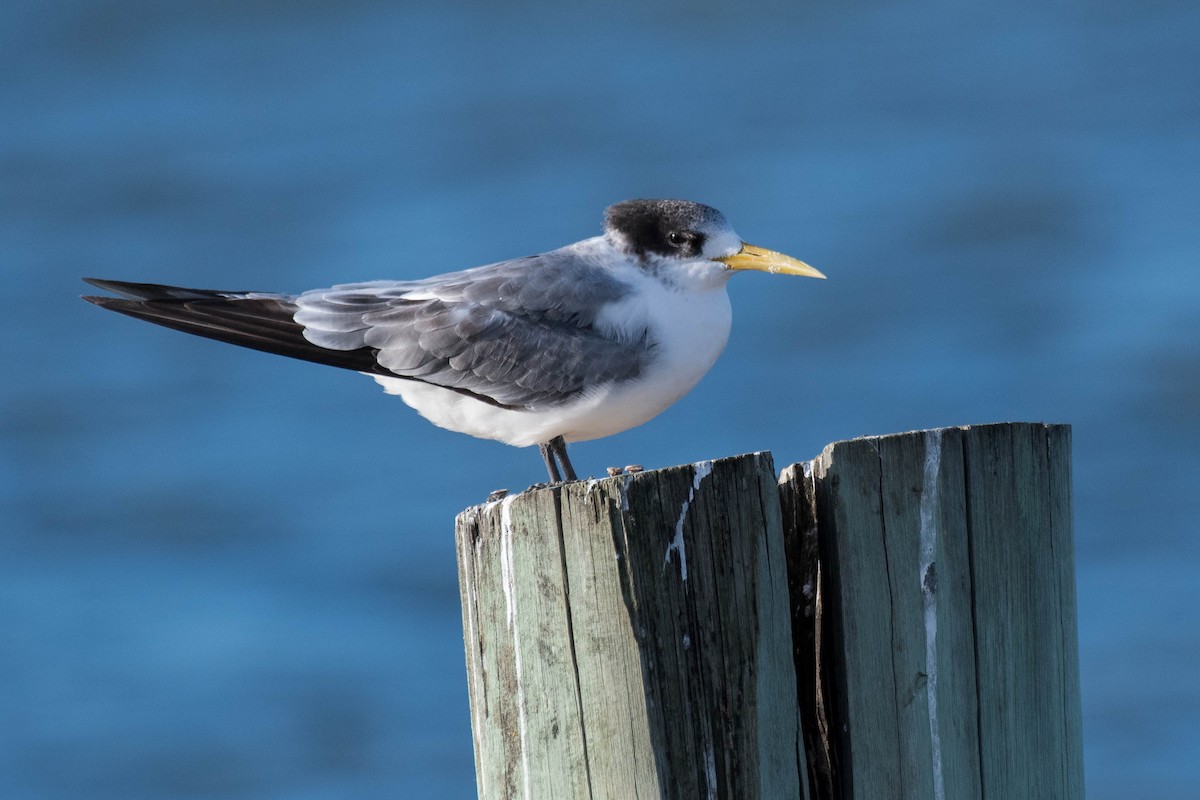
point(574, 344)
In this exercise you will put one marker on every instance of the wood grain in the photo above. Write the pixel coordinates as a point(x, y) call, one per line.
point(950, 650)
point(894, 619)
point(631, 637)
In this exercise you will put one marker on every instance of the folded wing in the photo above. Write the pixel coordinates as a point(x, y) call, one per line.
point(516, 334)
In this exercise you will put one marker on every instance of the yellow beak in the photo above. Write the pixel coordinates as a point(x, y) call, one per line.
point(763, 260)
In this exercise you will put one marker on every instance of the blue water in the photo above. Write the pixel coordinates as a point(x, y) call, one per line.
point(229, 575)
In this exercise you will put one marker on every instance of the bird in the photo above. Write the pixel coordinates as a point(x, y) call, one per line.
point(573, 344)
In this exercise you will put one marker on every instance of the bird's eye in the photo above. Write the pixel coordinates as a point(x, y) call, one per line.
point(677, 238)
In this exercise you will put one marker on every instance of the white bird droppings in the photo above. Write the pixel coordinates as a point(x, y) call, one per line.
point(678, 545)
point(927, 575)
point(509, 580)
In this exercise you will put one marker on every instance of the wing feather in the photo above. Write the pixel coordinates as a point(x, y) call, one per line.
point(519, 333)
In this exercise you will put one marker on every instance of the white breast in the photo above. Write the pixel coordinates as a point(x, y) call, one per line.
point(688, 327)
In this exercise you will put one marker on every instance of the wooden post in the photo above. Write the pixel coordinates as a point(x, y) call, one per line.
point(633, 636)
point(946, 652)
point(630, 638)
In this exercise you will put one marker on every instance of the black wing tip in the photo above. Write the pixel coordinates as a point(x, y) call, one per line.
point(124, 289)
point(131, 290)
point(116, 287)
point(125, 300)
point(122, 305)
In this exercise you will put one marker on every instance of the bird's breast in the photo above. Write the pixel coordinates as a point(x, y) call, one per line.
point(686, 333)
point(683, 332)
point(687, 330)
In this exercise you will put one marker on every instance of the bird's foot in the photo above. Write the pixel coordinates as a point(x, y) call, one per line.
point(499, 494)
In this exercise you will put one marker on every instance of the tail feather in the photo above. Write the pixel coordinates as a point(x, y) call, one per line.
point(259, 321)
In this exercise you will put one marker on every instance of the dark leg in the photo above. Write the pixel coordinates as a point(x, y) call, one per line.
point(558, 448)
point(548, 456)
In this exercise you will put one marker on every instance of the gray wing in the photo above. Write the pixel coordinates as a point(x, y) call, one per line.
point(518, 333)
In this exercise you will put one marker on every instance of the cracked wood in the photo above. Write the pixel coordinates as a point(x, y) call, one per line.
point(948, 654)
point(630, 638)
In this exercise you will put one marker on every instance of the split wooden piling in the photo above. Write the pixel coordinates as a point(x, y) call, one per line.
point(630, 637)
point(893, 619)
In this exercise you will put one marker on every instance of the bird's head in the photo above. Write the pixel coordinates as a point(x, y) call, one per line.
point(660, 231)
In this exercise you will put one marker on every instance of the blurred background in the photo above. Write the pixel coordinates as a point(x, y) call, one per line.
point(230, 575)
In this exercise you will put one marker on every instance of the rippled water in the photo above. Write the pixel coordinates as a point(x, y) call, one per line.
point(229, 575)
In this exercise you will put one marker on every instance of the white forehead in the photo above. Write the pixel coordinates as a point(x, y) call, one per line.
point(721, 240)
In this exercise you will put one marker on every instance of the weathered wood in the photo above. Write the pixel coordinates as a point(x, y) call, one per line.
point(631, 638)
point(894, 619)
point(947, 645)
point(806, 584)
point(1022, 564)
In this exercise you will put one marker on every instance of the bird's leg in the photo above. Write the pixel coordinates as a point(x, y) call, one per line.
point(558, 447)
point(547, 452)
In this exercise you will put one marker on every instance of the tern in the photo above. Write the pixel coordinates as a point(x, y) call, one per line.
point(570, 345)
